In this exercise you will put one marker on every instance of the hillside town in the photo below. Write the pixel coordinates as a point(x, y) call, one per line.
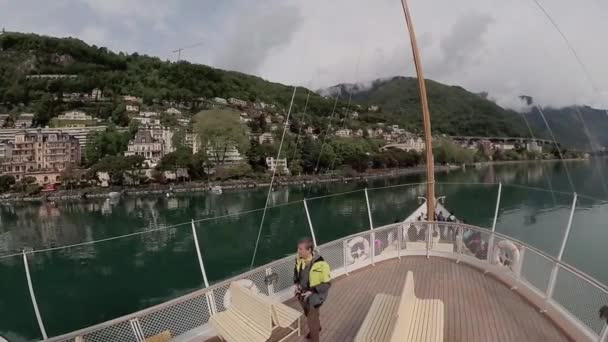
point(43, 156)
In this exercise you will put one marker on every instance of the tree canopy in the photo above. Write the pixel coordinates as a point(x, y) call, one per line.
point(220, 130)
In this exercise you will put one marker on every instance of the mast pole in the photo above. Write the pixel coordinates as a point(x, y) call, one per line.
point(430, 167)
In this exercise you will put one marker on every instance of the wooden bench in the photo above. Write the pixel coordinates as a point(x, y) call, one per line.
point(404, 318)
point(252, 317)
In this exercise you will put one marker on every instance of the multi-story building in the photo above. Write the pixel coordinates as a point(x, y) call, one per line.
point(163, 135)
point(74, 119)
point(534, 146)
point(132, 103)
point(185, 122)
point(191, 141)
point(344, 133)
point(96, 94)
point(24, 120)
point(149, 114)
point(80, 133)
point(142, 120)
point(280, 165)
point(3, 118)
point(227, 156)
point(237, 102)
point(133, 108)
point(145, 145)
point(173, 111)
point(220, 100)
point(266, 138)
point(34, 154)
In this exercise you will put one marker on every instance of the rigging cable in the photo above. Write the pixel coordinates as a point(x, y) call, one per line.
point(276, 162)
point(350, 98)
point(316, 170)
point(559, 151)
point(295, 148)
point(588, 134)
point(585, 71)
point(548, 178)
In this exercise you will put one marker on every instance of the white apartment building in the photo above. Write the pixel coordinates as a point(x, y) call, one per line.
point(280, 165)
point(344, 133)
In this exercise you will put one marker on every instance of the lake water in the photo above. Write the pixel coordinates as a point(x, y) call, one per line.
point(80, 286)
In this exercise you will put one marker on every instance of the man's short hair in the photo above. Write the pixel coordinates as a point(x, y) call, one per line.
point(309, 244)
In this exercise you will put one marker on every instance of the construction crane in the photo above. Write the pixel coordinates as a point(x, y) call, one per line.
point(179, 50)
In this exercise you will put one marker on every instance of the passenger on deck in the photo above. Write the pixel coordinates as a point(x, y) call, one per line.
point(311, 279)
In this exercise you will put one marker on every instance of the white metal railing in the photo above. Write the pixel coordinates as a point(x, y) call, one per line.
point(575, 295)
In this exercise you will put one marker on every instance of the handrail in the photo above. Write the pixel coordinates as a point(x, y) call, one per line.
point(218, 285)
point(144, 229)
point(561, 263)
point(221, 286)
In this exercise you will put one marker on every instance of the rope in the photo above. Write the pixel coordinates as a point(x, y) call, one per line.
point(350, 98)
point(257, 241)
point(599, 166)
point(295, 148)
point(559, 151)
point(326, 134)
point(548, 177)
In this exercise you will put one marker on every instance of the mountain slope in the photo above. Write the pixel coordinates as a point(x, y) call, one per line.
point(454, 110)
point(568, 128)
point(120, 74)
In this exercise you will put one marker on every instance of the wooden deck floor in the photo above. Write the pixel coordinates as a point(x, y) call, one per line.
point(478, 307)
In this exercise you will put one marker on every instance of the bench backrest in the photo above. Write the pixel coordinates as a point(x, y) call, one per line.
point(405, 310)
point(251, 305)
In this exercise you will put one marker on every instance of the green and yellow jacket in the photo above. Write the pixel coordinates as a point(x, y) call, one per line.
point(313, 276)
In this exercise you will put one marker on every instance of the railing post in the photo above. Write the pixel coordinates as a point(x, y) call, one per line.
point(604, 334)
point(491, 239)
point(344, 246)
point(210, 296)
point(429, 234)
point(136, 328)
point(199, 255)
point(312, 231)
point(270, 285)
point(33, 297)
point(371, 227)
point(369, 211)
point(562, 248)
point(497, 207)
point(400, 235)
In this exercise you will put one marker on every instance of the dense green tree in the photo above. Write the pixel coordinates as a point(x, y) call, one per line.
point(219, 131)
point(6, 181)
point(121, 169)
point(110, 142)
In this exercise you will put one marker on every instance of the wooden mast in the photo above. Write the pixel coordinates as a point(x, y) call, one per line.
point(430, 167)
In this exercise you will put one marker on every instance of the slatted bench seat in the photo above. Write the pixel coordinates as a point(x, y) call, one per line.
point(404, 318)
point(252, 317)
point(380, 320)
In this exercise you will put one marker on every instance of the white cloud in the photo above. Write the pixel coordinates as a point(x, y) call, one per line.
point(153, 10)
point(94, 35)
point(506, 48)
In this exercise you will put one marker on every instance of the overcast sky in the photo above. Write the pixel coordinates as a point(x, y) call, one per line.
point(505, 47)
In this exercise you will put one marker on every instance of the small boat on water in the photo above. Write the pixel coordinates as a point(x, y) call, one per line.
point(216, 190)
point(114, 194)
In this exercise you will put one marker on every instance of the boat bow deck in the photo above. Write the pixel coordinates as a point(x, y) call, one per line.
point(478, 307)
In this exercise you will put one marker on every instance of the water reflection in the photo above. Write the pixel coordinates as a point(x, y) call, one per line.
point(159, 264)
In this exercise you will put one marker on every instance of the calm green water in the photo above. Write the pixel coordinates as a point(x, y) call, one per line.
point(80, 286)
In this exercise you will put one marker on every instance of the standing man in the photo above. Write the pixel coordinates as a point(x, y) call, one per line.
point(311, 279)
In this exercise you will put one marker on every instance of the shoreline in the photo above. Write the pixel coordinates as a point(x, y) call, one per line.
point(202, 186)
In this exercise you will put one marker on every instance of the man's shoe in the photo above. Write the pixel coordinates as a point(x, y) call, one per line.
point(308, 335)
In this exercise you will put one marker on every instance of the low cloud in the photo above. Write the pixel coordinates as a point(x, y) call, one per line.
point(256, 33)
